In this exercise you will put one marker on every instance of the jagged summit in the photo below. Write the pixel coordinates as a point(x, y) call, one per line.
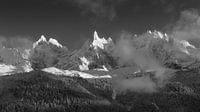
point(157, 34)
point(182, 45)
point(50, 41)
point(100, 42)
point(42, 39)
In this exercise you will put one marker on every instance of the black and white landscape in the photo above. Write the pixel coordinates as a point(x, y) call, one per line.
point(126, 69)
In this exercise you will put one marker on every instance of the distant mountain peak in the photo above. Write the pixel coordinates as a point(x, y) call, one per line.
point(50, 41)
point(99, 42)
point(160, 35)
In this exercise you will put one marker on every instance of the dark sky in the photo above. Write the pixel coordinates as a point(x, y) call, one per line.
point(72, 22)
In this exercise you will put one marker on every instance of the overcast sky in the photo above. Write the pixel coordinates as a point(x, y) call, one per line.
point(72, 22)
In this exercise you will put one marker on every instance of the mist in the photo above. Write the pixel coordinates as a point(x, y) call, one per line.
point(139, 84)
point(18, 42)
point(188, 27)
point(128, 53)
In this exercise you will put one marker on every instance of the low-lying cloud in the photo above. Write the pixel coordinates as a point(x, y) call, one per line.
point(139, 84)
point(16, 42)
point(127, 52)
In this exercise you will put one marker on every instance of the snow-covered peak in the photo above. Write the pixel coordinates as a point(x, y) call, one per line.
point(99, 42)
point(42, 39)
point(157, 34)
point(50, 41)
point(55, 42)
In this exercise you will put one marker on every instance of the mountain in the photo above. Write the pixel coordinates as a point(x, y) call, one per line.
point(92, 55)
point(164, 48)
point(46, 53)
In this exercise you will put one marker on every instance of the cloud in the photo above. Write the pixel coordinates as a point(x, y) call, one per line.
point(16, 42)
point(99, 8)
point(127, 51)
point(188, 26)
point(139, 84)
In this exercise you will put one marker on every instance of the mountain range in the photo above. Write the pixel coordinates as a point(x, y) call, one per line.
point(99, 54)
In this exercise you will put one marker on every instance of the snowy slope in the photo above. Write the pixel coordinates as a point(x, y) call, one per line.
point(72, 73)
point(6, 69)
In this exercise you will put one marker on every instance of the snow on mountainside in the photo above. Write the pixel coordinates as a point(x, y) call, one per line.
point(102, 69)
point(185, 46)
point(6, 69)
point(73, 73)
point(85, 64)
